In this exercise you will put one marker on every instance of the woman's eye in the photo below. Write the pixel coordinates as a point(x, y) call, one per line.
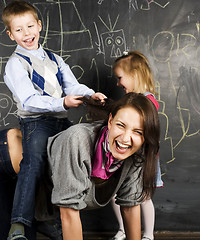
point(120, 125)
point(139, 132)
point(18, 30)
point(30, 26)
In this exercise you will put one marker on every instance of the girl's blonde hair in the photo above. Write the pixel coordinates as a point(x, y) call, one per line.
point(16, 8)
point(136, 64)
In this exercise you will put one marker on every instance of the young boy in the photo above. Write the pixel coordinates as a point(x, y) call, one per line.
point(38, 79)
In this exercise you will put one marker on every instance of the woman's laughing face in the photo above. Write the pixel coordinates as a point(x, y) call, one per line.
point(125, 133)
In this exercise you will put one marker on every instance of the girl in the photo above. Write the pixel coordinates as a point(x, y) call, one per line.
point(92, 162)
point(133, 74)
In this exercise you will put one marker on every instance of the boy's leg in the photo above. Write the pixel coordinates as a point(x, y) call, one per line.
point(35, 133)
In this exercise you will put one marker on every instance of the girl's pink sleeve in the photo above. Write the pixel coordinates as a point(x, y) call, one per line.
point(154, 101)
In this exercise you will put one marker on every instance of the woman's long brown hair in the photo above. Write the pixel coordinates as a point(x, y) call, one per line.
point(148, 152)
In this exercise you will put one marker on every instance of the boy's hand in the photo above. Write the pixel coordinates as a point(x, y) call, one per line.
point(72, 101)
point(99, 96)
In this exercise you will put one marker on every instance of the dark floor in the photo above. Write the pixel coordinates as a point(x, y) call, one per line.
point(158, 236)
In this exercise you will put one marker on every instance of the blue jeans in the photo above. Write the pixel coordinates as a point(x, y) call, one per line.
point(35, 133)
point(8, 179)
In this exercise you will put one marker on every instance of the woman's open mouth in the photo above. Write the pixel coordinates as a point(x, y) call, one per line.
point(122, 147)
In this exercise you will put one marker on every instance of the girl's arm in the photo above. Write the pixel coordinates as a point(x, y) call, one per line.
point(71, 224)
point(132, 222)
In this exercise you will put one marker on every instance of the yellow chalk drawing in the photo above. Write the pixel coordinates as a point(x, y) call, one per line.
point(157, 2)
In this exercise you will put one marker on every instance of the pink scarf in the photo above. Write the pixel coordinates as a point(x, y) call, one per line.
point(104, 164)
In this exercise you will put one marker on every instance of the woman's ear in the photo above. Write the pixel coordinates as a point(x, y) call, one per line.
point(110, 121)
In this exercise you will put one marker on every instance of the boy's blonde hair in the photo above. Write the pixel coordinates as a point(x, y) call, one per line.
point(136, 65)
point(17, 8)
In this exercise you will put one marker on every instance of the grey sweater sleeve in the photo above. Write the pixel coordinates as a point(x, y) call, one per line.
point(69, 154)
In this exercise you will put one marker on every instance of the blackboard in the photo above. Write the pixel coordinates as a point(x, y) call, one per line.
point(89, 35)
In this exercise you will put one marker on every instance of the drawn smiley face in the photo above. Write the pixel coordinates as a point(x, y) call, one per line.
point(114, 45)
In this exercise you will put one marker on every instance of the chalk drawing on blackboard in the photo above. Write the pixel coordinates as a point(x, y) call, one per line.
point(79, 71)
point(2, 28)
point(133, 4)
point(198, 26)
point(101, 1)
point(189, 79)
point(111, 43)
point(94, 69)
point(162, 45)
point(4, 40)
point(189, 86)
point(164, 50)
point(188, 82)
point(189, 41)
point(6, 104)
point(166, 150)
point(146, 4)
point(70, 34)
point(84, 118)
point(98, 42)
point(3, 61)
point(0, 66)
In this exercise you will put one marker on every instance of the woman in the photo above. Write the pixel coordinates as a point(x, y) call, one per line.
point(91, 162)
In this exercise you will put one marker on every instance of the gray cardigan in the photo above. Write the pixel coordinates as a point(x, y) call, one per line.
point(70, 155)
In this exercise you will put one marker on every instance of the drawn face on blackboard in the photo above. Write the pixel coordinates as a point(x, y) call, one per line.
point(113, 45)
point(25, 30)
point(125, 133)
